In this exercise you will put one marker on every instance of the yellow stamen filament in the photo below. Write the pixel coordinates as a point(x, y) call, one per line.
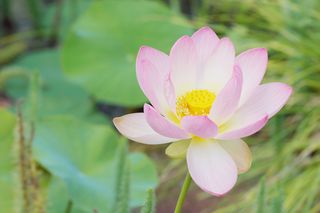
point(195, 102)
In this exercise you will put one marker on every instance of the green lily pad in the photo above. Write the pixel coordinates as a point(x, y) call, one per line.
point(100, 50)
point(84, 156)
point(54, 94)
point(143, 177)
point(44, 62)
point(58, 197)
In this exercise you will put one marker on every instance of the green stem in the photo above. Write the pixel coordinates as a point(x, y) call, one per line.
point(69, 207)
point(183, 193)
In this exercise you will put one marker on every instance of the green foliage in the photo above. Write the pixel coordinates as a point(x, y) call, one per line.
point(149, 205)
point(79, 154)
point(143, 173)
point(7, 175)
point(261, 197)
point(277, 201)
point(84, 157)
point(100, 50)
point(51, 85)
point(59, 17)
point(58, 197)
point(121, 203)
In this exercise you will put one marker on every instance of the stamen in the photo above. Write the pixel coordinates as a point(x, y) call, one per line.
point(195, 102)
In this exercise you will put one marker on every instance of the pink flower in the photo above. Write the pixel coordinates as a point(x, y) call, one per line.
point(204, 93)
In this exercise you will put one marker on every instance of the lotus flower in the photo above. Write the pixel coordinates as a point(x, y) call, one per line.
point(207, 99)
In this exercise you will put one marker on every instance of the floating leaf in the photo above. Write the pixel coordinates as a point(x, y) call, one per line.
point(143, 176)
point(55, 95)
point(100, 50)
point(83, 155)
point(58, 197)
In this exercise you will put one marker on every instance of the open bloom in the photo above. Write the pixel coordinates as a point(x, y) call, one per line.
point(203, 94)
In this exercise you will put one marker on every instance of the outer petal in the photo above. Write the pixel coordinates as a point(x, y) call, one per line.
point(240, 153)
point(211, 167)
point(184, 65)
point(227, 100)
point(205, 40)
point(253, 64)
point(240, 128)
point(161, 125)
point(266, 99)
point(200, 126)
point(135, 127)
point(219, 67)
point(153, 77)
point(159, 59)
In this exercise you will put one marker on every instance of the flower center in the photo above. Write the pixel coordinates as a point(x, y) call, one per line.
point(195, 102)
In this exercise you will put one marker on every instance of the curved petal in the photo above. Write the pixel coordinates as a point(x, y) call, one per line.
point(159, 59)
point(266, 99)
point(253, 64)
point(169, 93)
point(227, 100)
point(200, 126)
point(153, 77)
point(240, 128)
point(211, 167)
point(161, 125)
point(240, 153)
point(219, 67)
point(205, 40)
point(184, 65)
point(135, 127)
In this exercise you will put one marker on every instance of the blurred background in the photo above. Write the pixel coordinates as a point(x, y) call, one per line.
point(67, 67)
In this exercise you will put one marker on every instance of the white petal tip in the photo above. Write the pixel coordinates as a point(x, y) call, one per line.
point(218, 194)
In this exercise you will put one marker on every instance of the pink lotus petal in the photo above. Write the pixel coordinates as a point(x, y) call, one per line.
point(159, 59)
point(184, 65)
point(266, 99)
point(227, 100)
point(200, 126)
point(219, 67)
point(253, 64)
point(152, 74)
point(170, 94)
point(135, 127)
point(147, 76)
point(240, 153)
point(237, 128)
point(161, 125)
point(211, 167)
point(205, 41)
